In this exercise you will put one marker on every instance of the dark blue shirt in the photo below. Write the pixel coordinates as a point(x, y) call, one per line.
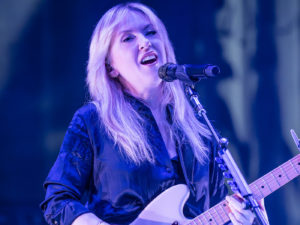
point(90, 174)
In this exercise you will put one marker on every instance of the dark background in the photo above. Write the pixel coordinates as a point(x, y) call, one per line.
point(43, 55)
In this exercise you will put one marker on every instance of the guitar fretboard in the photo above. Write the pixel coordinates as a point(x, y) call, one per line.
point(260, 189)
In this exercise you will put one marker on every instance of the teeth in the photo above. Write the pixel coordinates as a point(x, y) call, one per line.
point(147, 58)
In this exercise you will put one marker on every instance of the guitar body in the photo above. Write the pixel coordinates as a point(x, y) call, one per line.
point(166, 208)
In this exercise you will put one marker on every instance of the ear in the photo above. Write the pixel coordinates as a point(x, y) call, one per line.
point(111, 71)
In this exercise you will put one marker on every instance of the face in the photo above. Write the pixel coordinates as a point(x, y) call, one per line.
point(136, 53)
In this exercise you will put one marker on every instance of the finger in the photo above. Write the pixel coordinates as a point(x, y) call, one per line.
point(238, 196)
point(233, 219)
point(235, 203)
point(238, 205)
point(244, 217)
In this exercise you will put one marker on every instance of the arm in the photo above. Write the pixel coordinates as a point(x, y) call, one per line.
point(69, 177)
point(88, 219)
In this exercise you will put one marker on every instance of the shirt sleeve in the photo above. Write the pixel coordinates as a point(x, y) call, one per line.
point(69, 177)
point(218, 190)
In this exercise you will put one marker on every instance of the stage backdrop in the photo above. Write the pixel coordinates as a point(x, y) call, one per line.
point(254, 103)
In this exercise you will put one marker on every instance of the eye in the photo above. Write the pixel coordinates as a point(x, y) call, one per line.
point(151, 32)
point(127, 38)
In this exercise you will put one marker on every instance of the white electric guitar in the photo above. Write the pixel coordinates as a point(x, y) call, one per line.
point(167, 208)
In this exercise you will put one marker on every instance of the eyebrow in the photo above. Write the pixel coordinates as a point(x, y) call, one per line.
point(128, 31)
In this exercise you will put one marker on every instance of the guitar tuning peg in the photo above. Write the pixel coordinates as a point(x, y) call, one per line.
point(219, 160)
point(227, 175)
point(223, 167)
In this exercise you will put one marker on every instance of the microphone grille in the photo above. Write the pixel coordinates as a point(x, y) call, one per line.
point(167, 72)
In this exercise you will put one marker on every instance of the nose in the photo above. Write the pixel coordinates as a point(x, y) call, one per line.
point(144, 43)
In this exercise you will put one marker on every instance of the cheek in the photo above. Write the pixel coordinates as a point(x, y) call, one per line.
point(161, 49)
point(117, 55)
point(122, 58)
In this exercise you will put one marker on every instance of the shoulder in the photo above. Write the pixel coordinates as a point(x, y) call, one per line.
point(85, 116)
point(86, 110)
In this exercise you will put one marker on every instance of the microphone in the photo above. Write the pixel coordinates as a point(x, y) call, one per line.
point(187, 73)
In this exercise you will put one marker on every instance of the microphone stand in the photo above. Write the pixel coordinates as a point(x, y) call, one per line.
point(238, 184)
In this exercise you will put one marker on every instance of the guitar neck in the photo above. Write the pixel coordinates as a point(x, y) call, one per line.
point(260, 189)
point(278, 177)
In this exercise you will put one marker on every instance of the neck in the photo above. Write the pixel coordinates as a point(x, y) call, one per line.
point(152, 98)
point(149, 95)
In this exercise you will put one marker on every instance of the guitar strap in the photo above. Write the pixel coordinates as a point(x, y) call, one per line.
point(187, 181)
point(169, 111)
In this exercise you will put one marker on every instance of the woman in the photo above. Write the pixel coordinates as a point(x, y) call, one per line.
point(138, 136)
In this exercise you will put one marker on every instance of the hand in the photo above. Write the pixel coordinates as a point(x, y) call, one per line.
point(240, 215)
point(88, 219)
point(102, 223)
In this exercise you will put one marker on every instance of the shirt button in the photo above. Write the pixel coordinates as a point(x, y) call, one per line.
point(55, 222)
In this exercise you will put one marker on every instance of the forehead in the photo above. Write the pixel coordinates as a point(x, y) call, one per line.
point(132, 20)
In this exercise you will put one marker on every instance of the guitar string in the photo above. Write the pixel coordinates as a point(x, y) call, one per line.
point(288, 168)
point(269, 180)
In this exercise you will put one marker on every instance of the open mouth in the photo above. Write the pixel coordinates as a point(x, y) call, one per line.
point(149, 59)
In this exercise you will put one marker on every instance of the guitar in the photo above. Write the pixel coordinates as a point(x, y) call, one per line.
point(167, 208)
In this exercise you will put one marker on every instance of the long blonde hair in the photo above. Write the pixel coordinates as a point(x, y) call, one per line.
point(121, 121)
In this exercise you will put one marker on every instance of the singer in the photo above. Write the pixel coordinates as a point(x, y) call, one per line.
point(136, 138)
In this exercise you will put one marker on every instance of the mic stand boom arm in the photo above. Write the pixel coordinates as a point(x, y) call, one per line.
point(239, 184)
